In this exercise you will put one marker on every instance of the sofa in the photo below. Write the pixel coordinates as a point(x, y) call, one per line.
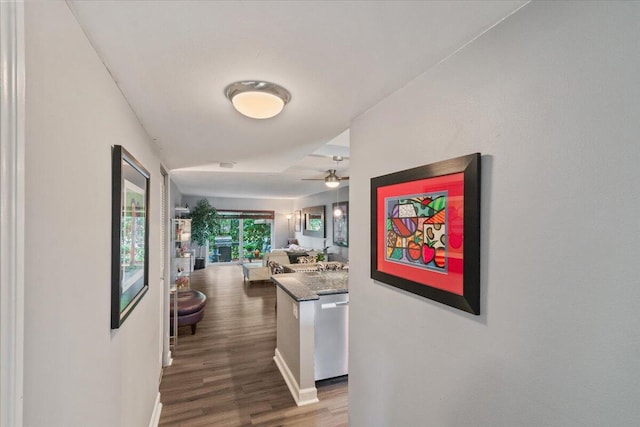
point(314, 266)
point(280, 261)
point(280, 257)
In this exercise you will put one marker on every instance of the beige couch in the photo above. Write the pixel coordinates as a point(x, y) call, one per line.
point(279, 257)
point(256, 271)
point(316, 266)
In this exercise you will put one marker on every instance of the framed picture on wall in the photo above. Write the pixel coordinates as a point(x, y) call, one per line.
point(297, 221)
point(341, 224)
point(129, 234)
point(313, 220)
point(425, 231)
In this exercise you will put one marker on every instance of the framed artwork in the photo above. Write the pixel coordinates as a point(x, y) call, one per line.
point(313, 221)
point(341, 224)
point(425, 231)
point(297, 221)
point(129, 235)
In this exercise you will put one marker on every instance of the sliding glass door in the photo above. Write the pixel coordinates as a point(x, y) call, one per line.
point(256, 237)
point(244, 236)
point(225, 244)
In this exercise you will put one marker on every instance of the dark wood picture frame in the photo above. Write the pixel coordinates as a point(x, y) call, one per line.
point(341, 225)
point(314, 221)
point(400, 248)
point(129, 234)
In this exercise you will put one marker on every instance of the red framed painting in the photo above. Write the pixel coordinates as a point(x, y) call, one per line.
point(425, 231)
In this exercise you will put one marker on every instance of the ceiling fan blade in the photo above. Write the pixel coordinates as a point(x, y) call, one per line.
point(343, 178)
point(326, 156)
point(312, 179)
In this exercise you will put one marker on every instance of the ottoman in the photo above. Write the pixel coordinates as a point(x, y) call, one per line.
point(190, 308)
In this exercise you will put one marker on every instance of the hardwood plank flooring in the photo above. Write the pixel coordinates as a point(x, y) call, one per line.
point(225, 376)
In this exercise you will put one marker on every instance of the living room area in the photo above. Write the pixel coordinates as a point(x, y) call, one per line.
point(252, 240)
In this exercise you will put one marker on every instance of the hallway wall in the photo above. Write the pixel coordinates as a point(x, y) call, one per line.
point(550, 98)
point(79, 372)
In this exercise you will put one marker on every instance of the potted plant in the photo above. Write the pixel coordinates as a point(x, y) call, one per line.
point(204, 227)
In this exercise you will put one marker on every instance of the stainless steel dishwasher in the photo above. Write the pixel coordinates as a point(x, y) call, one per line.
point(331, 336)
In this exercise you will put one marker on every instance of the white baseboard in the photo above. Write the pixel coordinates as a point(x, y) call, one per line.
point(157, 410)
point(168, 361)
point(303, 396)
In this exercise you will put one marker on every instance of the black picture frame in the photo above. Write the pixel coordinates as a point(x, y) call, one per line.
point(297, 221)
point(129, 234)
point(341, 225)
point(403, 269)
point(313, 221)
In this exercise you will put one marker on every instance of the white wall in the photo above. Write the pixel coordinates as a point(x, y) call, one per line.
point(175, 197)
point(78, 372)
point(326, 198)
point(550, 97)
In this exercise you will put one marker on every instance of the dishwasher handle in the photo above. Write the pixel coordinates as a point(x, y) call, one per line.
point(334, 304)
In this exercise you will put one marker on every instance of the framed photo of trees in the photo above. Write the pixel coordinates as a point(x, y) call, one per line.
point(129, 234)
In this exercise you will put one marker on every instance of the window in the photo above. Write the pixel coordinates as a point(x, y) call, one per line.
point(244, 235)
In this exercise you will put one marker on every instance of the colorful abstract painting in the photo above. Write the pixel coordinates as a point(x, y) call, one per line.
point(425, 231)
point(416, 230)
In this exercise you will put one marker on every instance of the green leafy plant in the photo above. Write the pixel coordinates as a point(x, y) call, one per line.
point(204, 223)
point(256, 235)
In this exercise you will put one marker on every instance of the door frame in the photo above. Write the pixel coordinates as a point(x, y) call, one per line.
point(12, 207)
point(167, 358)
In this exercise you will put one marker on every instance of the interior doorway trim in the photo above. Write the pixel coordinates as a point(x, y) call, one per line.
point(167, 359)
point(12, 213)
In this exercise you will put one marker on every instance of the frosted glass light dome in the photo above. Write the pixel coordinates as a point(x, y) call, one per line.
point(257, 99)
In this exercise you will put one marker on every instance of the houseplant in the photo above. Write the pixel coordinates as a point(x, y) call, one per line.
point(204, 227)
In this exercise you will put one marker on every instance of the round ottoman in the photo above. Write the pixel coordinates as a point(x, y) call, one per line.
point(190, 308)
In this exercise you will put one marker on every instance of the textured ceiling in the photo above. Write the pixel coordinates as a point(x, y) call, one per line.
point(173, 59)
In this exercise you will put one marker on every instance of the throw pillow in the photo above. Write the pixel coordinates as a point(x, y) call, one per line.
point(275, 267)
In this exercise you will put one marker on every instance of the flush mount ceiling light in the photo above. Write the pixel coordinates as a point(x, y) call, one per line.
point(257, 99)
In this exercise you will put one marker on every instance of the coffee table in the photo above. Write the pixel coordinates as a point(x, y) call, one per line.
point(254, 271)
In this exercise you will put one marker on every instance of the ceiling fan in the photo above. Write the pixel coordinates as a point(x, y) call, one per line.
point(332, 179)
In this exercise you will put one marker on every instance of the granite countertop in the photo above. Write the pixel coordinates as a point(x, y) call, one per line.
point(310, 286)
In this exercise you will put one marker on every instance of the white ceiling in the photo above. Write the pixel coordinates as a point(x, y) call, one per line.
point(173, 59)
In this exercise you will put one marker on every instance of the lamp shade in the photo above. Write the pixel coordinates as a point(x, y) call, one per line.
point(257, 99)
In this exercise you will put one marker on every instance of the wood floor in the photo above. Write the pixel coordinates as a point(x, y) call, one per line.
point(225, 376)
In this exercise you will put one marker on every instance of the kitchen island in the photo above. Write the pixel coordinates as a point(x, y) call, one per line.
point(312, 329)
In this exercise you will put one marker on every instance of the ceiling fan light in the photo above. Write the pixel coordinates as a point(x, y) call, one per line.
point(332, 181)
point(257, 99)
